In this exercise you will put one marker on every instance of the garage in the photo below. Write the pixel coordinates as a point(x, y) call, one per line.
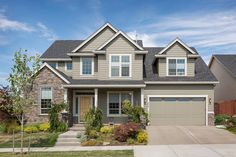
point(177, 110)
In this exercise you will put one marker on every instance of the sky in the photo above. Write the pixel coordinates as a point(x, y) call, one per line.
point(208, 25)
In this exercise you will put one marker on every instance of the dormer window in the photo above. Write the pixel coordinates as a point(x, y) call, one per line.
point(176, 66)
point(120, 65)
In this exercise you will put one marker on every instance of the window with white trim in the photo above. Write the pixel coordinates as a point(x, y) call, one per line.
point(86, 66)
point(46, 99)
point(68, 65)
point(120, 65)
point(176, 66)
point(115, 100)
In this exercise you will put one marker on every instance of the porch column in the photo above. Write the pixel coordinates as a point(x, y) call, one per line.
point(142, 97)
point(96, 97)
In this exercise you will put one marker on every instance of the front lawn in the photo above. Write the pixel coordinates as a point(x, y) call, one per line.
point(125, 153)
point(40, 139)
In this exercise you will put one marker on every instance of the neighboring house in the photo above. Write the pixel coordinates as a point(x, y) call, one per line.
point(172, 83)
point(224, 68)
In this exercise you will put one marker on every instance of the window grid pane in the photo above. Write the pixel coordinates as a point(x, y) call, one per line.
point(176, 67)
point(86, 66)
point(46, 99)
point(114, 103)
point(120, 65)
point(69, 65)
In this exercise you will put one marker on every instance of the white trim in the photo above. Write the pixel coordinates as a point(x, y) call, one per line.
point(164, 56)
point(166, 96)
point(124, 35)
point(95, 97)
point(181, 82)
point(173, 42)
point(80, 54)
point(53, 70)
point(120, 67)
point(65, 94)
point(104, 85)
point(119, 92)
point(142, 97)
point(55, 59)
point(66, 66)
point(81, 68)
point(185, 66)
point(211, 112)
point(94, 34)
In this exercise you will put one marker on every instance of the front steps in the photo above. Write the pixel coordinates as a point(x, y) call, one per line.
point(69, 138)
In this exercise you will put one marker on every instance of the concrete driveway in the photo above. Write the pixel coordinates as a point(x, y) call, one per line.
point(172, 135)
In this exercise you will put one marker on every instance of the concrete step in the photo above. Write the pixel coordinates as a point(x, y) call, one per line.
point(79, 125)
point(77, 129)
point(59, 140)
point(68, 144)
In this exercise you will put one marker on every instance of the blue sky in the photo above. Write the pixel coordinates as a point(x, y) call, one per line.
point(208, 25)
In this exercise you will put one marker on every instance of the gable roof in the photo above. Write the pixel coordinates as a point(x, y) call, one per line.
point(94, 34)
point(123, 35)
point(60, 48)
point(180, 42)
point(59, 74)
point(228, 61)
point(150, 73)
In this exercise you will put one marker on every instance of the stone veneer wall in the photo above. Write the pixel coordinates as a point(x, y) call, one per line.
point(44, 78)
point(211, 119)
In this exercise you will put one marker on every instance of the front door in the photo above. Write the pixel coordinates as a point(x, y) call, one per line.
point(85, 104)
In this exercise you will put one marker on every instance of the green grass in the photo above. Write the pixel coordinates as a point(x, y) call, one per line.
point(232, 129)
point(125, 153)
point(41, 139)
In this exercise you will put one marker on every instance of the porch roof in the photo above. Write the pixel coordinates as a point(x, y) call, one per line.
point(105, 83)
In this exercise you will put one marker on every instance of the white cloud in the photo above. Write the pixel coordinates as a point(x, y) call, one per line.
point(147, 39)
point(198, 29)
point(8, 24)
point(46, 32)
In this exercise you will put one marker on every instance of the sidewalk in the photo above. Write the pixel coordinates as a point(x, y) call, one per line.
point(194, 150)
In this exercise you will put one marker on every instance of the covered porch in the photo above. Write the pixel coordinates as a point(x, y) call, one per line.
point(108, 99)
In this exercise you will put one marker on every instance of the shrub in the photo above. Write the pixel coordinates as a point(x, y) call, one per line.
point(125, 131)
point(44, 127)
point(231, 122)
point(92, 134)
point(93, 120)
point(91, 143)
point(142, 137)
point(136, 113)
point(54, 116)
point(31, 129)
point(221, 119)
point(130, 141)
point(12, 125)
point(107, 129)
point(2, 127)
point(62, 127)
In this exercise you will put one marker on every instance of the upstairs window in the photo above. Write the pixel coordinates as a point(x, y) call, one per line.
point(46, 99)
point(120, 65)
point(54, 64)
point(86, 66)
point(68, 65)
point(176, 66)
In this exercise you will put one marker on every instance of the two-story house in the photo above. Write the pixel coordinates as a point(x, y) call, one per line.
point(172, 83)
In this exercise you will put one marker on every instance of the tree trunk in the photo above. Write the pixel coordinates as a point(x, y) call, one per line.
point(22, 133)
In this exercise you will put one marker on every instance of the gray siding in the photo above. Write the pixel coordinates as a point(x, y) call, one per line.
point(120, 46)
point(226, 89)
point(176, 51)
point(182, 90)
point(97, 41)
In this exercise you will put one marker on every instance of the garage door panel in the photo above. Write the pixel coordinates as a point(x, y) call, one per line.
point(190, 112)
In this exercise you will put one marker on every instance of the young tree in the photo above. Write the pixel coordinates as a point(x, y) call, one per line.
point(21, 80)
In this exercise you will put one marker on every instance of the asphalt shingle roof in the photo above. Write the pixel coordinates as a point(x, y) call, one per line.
point(60, 48)
point(229, 62)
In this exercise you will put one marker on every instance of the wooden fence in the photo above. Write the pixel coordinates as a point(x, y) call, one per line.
point(226, 107)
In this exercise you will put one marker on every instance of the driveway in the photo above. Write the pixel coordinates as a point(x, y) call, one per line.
point(172, 135)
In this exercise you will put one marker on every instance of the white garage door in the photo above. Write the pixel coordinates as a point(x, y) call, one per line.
point(177, 111)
